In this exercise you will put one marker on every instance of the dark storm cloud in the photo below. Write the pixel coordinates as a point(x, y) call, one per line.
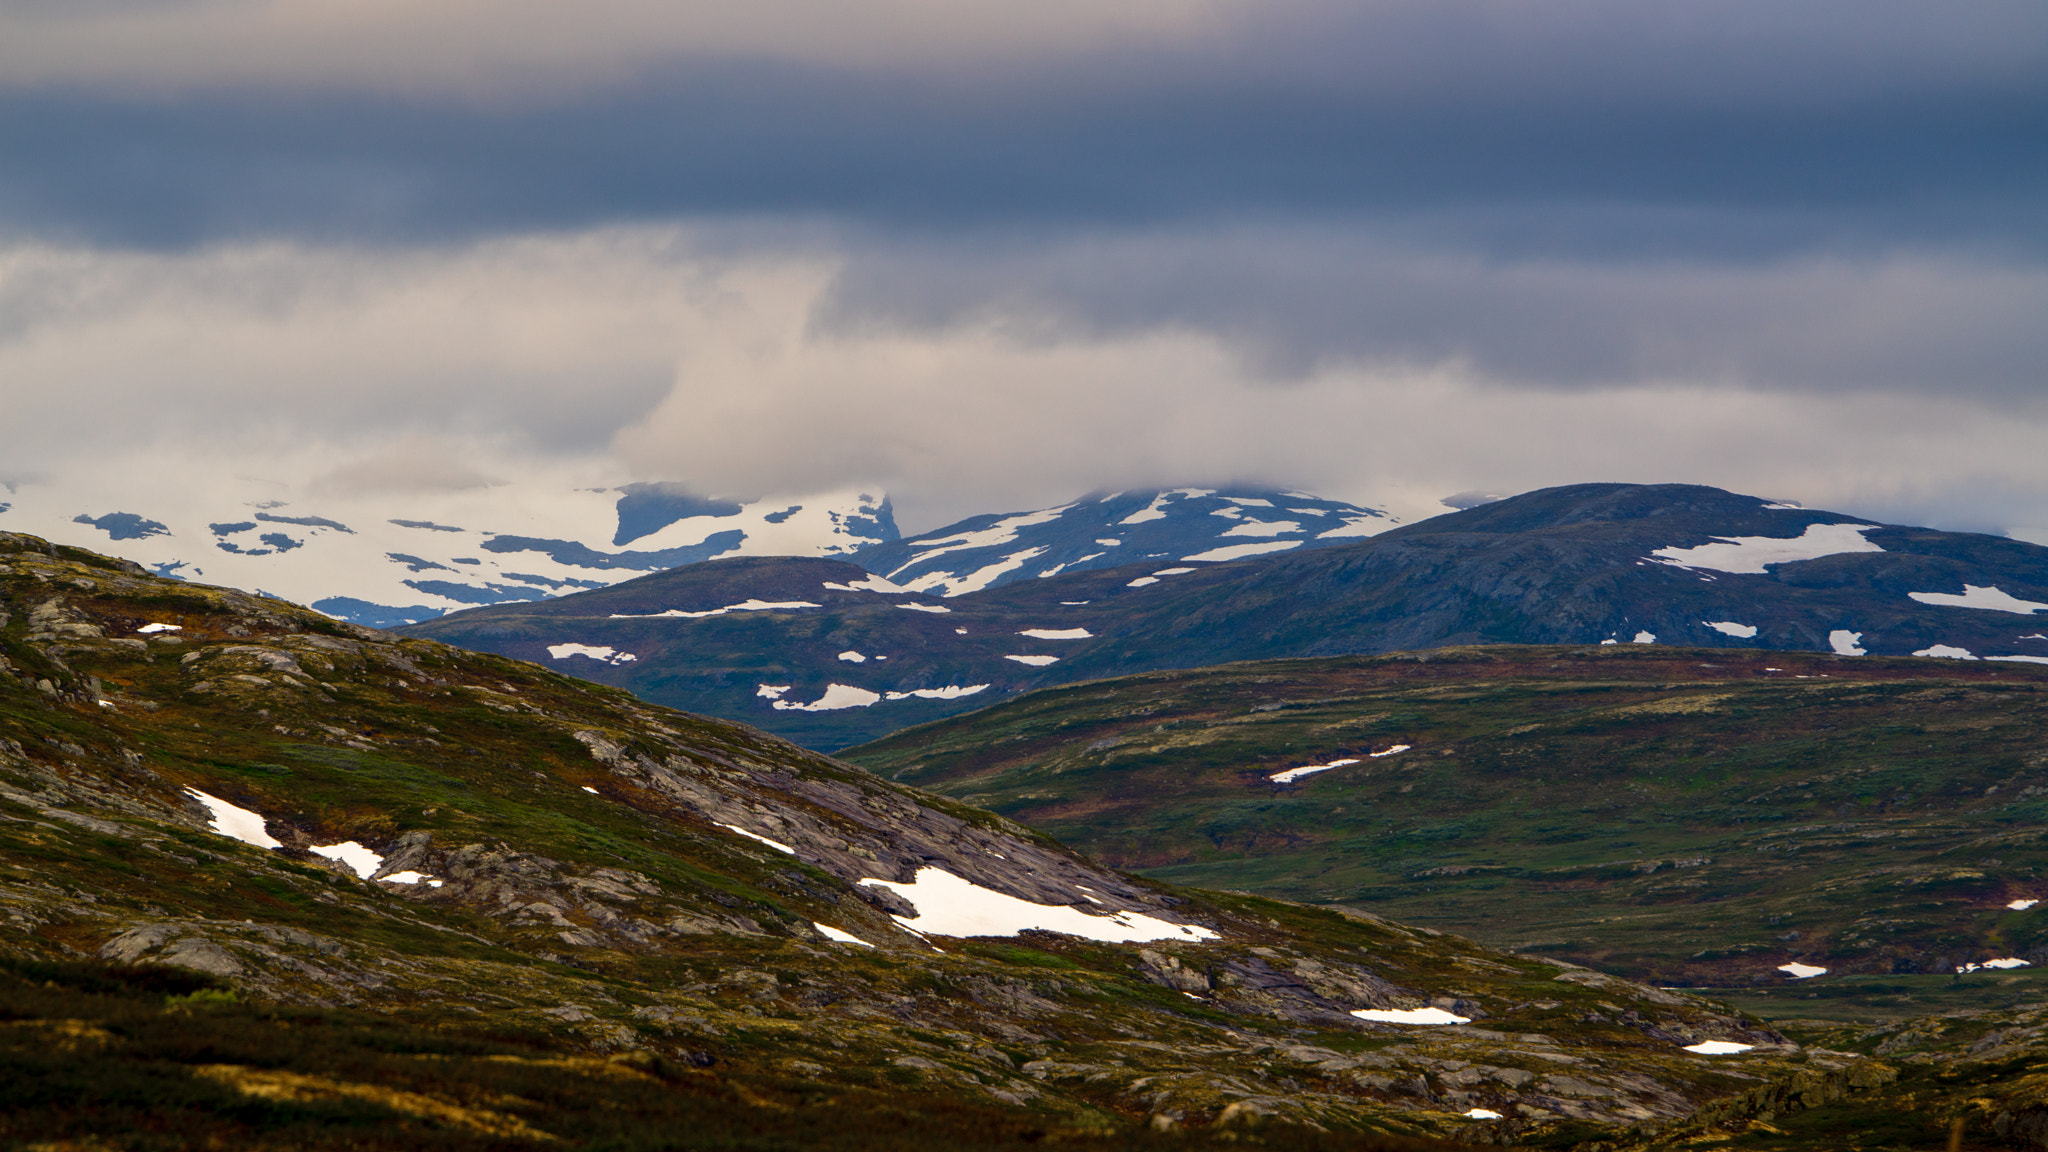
point(1586, 129)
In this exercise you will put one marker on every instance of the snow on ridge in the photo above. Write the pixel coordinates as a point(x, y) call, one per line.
point(748, 605)
point(948, 905)
point(852, 657)
point(603, 654)
point(236, 823)
point(1731, 628)
point(1989, 598)
point(1002, 531)
point(1753, 555)
point(1058, 633)
point(925, 607)
point(1034, 661)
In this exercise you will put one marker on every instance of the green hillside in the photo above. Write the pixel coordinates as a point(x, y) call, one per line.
point(1696, 817)
point(581, 921)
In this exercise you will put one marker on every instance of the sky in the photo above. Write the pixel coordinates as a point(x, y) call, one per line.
point(991, 256)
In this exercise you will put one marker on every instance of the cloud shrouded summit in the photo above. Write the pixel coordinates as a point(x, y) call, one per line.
point(991, 257)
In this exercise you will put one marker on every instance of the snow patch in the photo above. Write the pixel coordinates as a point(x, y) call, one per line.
point(1263, 528)
point(2021, 659)
point(879, 584)
point(836, 696)
point(1247, 501)
point(748, 605)
point(772, 691)
point(949, 692)
point(2007, 962)
point(1034, 661)
point(843, 937)
point(1731, 628)
point(1141, 581)
point(1947, 652)
point(1800, 971)
point(603, 654)
point(360, 860)
point(1292, 774)
point(1481, 1114)
point(1752, 555)
point(1718, 1047)
point(950, 906)
point(409, 877)
point(852, 657)
point(1846, 643)
point(1001, 532)
point(1988, 598)
point(1240, 551)
point(1173, 571)
point(2022, 905)
point(236, 823)
point(1645, 638)
point(1410, 1016)
point(925, 607)
point(775, 844)
point(152, 629)
point(1110, 543)
point(1058, 633)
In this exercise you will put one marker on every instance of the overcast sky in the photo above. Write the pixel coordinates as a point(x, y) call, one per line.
point(990, 255)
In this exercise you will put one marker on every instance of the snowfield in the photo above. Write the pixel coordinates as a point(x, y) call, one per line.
point(1987, 598)
point(950, 906)
point(1753, 555)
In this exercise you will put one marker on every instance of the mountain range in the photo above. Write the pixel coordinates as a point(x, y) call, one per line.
point(832, 654)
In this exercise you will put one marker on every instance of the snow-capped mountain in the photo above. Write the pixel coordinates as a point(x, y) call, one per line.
point(1202, 525)
point(383, 560)
point(827, 654)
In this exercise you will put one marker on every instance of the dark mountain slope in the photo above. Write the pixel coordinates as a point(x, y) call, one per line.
point(571, 898)
point(1695, 816)
point(1586, 564)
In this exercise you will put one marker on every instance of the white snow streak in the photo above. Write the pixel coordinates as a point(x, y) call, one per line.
point(1718, 1047)
point(749, 605)
point(950, 906)
point(1034, 661)
point(1058, 633)
point(2007, 962)
point(925, 607)
point(1240, 551)
point(603, 654)
point(2022, 905)
point(1731, 628)
point(152, 629)
point(1141, 581)
point(949, 692)
point(1753, 554)
point(1989, 598)
point(1292, 774)
point(1410, 1016)
point(775, 844)
point(2021, 659)
point(836, 696)
point(772, 691)
point(1481, 1114)
point(1001, 532)
point(1947, 652)
point(236, 823)
point(360, 860)
point(1800, 971)
point(879, 584)
point(1263, 528)
point(843, 937)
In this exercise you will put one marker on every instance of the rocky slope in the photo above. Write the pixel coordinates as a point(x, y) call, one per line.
point(541, 872)
point(1694, 816)
point(831, 656)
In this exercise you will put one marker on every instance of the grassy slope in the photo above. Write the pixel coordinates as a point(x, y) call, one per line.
point(1683, 815)
point(339, 979)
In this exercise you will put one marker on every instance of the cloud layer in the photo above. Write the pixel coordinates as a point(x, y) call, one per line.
point(991, 256)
